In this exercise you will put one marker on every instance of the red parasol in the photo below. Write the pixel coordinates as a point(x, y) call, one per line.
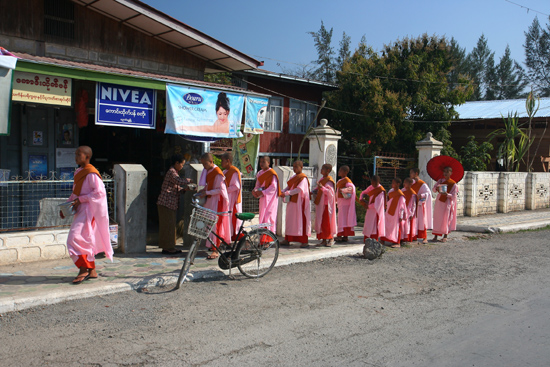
point(436, 165)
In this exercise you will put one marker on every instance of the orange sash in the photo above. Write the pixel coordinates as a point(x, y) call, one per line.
point(229, 175)
point(450, 183)
point(341, 184)
point(294, 182)
point(81, 176)
point(408, 195)
point(417, 185)
point(320, 193)
point(211, 177)
point(266, 178)
point(375, 192)
point(394, 197)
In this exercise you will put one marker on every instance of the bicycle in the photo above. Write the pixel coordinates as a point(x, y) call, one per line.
point(254, 251)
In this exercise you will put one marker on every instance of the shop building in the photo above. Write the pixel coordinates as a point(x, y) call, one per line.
point(125, 51)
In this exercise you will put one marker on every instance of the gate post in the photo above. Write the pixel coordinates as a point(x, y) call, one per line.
point(323, 148)
point(427, 149)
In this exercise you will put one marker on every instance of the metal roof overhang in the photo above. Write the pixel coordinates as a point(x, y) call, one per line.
point(146, 19)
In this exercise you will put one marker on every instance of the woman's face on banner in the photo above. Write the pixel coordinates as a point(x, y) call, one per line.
point(222, 114)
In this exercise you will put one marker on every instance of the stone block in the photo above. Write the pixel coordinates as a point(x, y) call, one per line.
point(125, 61)
point(52, 48)
point(150, 65)
point(43, 239)
point(1, 243)
point(54, 252)
point(108, 58)
point(175, 69)
point(92, 56)
point(77, 53)
point(163, 67)
point(8, 256)
point(22, 45)
point(137, 63)
point(30, 253)
point(61, 237)
point(17, 240)
point(5, 42)
point(193, 73)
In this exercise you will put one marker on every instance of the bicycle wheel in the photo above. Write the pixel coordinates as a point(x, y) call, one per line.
point(257, 253)
point(187, 263)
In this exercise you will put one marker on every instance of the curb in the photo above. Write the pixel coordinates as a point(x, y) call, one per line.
point(503, 229)
point(21, 303)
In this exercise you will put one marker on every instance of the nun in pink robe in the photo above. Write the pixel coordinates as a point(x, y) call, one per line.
point(411, 229)
point(424, 217)
point(235, 201)
point(347, 217)
point(218, 201)
point(444, 220)
point(395, 222)
point(326, 203)
point(375, 224)
point(89, 233)
point(268, 183)
point(298, 214)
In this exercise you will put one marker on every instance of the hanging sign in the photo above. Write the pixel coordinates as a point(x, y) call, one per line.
point(120, 105)
point(203, 113)
point(39, 88)
point(256, 110)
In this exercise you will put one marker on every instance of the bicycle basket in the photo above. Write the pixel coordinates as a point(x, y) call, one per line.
point(201, 223)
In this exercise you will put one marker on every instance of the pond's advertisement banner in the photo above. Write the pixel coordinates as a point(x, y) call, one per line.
point(256, 110)
point(120, 105)
point(203, 113)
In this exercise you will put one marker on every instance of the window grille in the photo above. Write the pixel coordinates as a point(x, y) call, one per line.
point(59, 18)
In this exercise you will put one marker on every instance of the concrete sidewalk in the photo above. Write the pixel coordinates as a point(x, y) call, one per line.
point(46, 282)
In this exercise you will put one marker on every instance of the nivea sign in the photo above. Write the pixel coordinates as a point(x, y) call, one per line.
point(120, 105)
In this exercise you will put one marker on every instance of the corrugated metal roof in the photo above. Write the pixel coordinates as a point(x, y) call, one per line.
point(497, 109)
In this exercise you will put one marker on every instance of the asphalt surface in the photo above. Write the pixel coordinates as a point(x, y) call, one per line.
point(481, 301)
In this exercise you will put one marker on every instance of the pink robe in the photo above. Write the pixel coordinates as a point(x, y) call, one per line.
point(218, 201)
point(328, 203)
point(297, 212)
point(269, 201)
point(411, 230)
point(89, 233)
point(395, 224)
point(444, 220)
point(375, 223)
point(234, 192)
point(346, 209)
point(424, 210)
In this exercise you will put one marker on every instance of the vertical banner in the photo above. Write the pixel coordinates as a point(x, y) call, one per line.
point(7, 64)
point(245, 154)
point(203, 113)
point(120, 105)
point(256, 110)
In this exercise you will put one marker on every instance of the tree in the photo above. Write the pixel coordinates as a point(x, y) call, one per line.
point(460, 65)
point(474, 156)
point(325, 54)
point(397, 96)
point(537, 56)
point(344, 53)
point(509, 78)
point(480, 64)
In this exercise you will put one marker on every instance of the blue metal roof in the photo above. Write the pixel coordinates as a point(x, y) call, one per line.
point(497, 109)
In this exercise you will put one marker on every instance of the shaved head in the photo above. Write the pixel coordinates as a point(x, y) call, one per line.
point(86, 150)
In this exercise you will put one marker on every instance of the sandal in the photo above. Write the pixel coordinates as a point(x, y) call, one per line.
point(213, 256)
point(81, 277)
point(304, 245)
point(395, 245)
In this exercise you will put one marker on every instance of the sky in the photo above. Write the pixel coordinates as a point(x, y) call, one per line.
point(276, 32)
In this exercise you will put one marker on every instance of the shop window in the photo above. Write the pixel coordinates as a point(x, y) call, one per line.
point(59, 18)
point(274, 118)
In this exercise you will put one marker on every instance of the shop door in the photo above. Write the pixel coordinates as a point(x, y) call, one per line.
point(38, 145)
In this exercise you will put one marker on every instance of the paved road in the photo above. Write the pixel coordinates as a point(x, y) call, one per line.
point(483, 302)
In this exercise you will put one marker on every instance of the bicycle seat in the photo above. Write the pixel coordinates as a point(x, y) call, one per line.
point(245, 216)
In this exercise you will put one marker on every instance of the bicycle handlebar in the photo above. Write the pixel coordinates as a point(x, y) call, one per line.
point(210, 210)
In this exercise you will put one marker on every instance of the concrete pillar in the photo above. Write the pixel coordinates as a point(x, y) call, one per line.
point(131, 196)
point(427, 149)
point(323, 148)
